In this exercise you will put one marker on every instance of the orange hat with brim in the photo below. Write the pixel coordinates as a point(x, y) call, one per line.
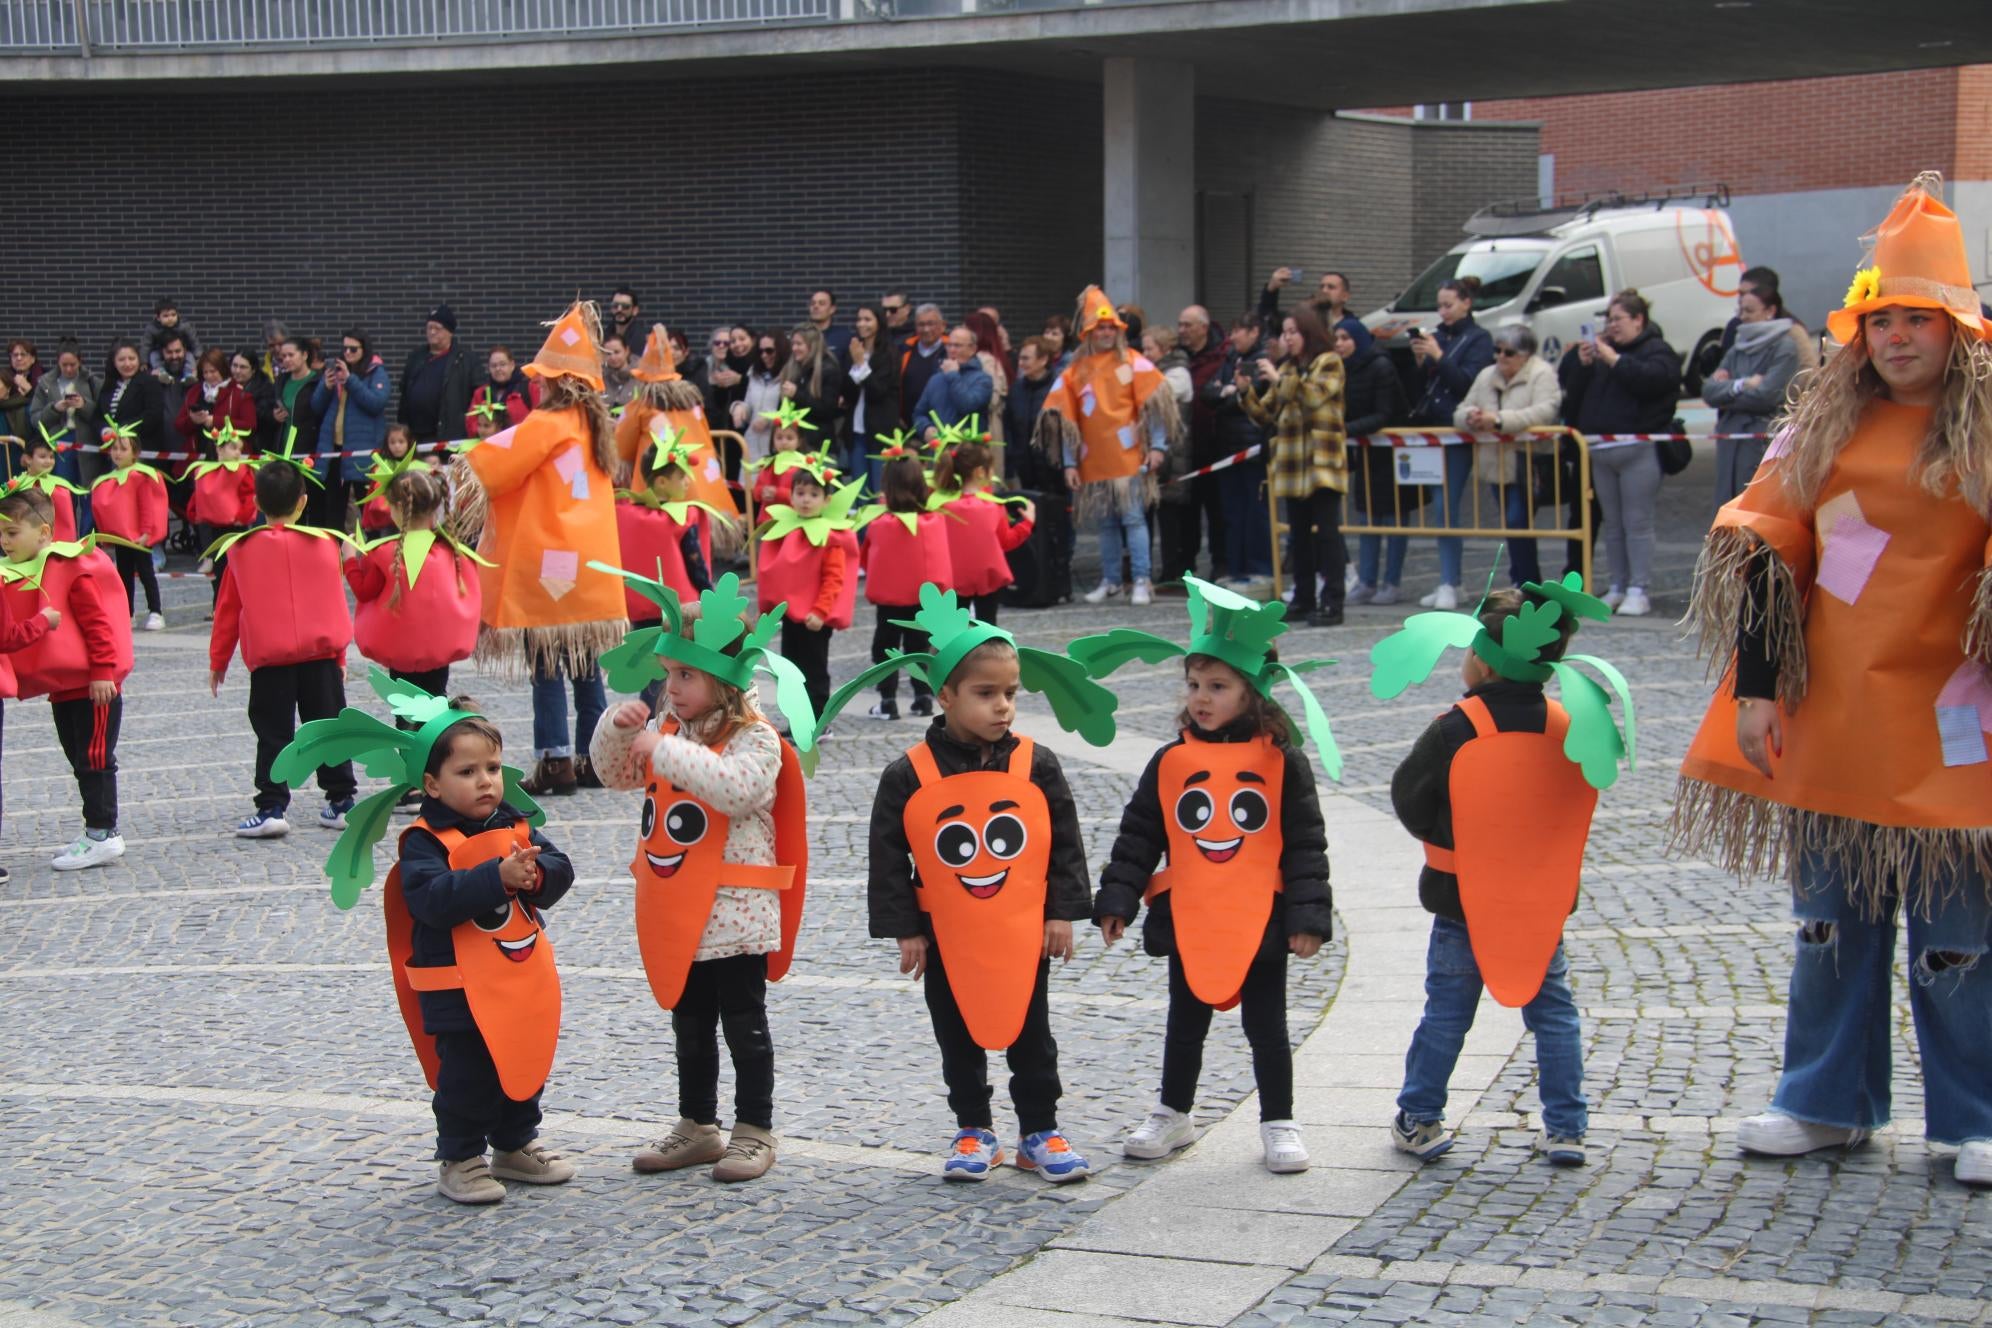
point(570, 349)
point(658, 364)
point(1094, 309)
point(1918, 262)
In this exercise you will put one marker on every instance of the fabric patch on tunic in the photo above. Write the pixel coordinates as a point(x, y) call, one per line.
point(568, 466)
point(1088, 403)
point(1964, 714)
point(503, 438)
point(570, 337)
point(559, 569)
point(1126, 435)
point(1853, 547)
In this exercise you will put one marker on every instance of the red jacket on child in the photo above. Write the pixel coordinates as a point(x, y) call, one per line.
point(770, 488)
point(650, 536)
point(225, 497)
point(91, 644)
point(898, 562)
point(131, 504)
point(977, 543)
point(282, 598)
point(16, 634)
point(810, 578)
point(432, 624)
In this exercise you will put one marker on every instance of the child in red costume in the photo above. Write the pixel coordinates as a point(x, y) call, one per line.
point(980, 532)
point(130, 503)
point(281, 597)
point(905, 549)
point(80, 663)
point(811, 564)
point(377, 514)
point(660, 525)
point(224, 499)
point(38, 466)
point(14, 636)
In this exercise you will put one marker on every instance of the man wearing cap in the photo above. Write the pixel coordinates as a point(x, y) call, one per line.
point(435, 383)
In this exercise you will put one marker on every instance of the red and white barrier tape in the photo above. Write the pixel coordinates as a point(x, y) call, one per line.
point(1455, 438)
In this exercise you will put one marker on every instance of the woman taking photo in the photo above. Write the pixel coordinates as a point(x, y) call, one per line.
point(1849, 582)
point(217, 397)
point(871, 393)
point(1375, 403)
point(1451, 358)
point(1300, 401)
point(1626, 381)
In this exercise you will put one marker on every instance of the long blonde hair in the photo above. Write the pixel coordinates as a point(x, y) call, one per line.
point(792, 371)
point(1957, 450)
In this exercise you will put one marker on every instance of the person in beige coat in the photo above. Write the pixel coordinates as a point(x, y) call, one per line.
point(1516, 393)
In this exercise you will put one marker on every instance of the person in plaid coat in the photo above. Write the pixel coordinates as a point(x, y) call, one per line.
point(1299, 401)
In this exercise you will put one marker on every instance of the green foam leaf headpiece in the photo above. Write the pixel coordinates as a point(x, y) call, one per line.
point(836, 515)
point(306, 465)
point(898, 443)
point(1239, 631)
point(788, 415)
point(226, 434)
point(1594, 742)
point(55, 440)
point(384, 470)
point(386, 752)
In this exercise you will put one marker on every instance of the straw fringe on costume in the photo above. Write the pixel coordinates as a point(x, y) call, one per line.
point(1096, 499)
point(1756, 839)
point(1978, 630)
point(517, 653)
point(674, 395)
point(1715, 609)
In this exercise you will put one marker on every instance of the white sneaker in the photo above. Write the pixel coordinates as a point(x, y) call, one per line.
point(1144, 593)
point(88, 852)
point(1777, 1135)
point(1974, 1162)
point(1165, 1130)
point(1445, 597)
point(1386, 594)
point(154, 622)
point(1359, 594)
point(1613, 597)
point(1634, 605)
point(1285, 1151)
point(1101, 593)
point(1350, 580)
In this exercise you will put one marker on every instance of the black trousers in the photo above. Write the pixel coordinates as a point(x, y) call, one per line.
point(89, 737)
point(1033, 1057)
point(985, 606)
point(137, 563)
point(886, 635)
point(1316, 524)
point(470, 1104)
point(1183, 523)
point(279, 696)
point(729, 994)
point(326, 507)
point(810, 652)
point(1261, 1009)
point(436, 682)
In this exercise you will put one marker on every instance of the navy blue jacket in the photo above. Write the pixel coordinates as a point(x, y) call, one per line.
point(1467, 349)
point(954, 396)
point(440, 898)
point(365, 420)
point(1639, 394)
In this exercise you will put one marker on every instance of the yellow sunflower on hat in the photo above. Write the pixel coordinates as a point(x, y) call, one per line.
point(1866, 286)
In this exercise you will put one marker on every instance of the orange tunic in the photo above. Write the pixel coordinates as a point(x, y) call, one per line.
point(1102, 394)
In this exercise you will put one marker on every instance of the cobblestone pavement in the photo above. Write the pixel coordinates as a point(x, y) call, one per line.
point(212, 1115)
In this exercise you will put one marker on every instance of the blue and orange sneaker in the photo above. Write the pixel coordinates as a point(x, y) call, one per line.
point(1047, 1153)
point(976, 1153)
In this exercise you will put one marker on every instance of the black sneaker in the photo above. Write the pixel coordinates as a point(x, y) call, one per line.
point(5, 876)
point(884, 710)
point(922, 707)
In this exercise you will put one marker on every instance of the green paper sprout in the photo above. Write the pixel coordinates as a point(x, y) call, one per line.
point(395, 754)
point(306, 465)
point(1240, 631)
point(898, 443)
point(415, 550)
point(29, 571)
point(115, 432)
point(1594, 741)
point(788, 415)
point(54, 440)
point(384, 470)
point(226, 434)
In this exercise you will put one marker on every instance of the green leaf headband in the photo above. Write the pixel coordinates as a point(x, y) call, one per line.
point(1409, 655)
point(788, 415)
point(1239, 631)
point(968, 430)
point(670, 449)
point(898, 443)
point(115, 432)
point(54, 440)
point(634, 665)
point(384, 470)
point(386, 752)
point(226, 434)
point(487, 409)
point(836, 515)
point(307, 466)
point(1079, 704)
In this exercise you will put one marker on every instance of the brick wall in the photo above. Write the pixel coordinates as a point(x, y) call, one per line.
point(1974, 123)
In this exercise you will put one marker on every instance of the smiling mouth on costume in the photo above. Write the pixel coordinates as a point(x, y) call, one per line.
point(517, 951)
point(982, 887)
point(665, 866)
point(1219, 850)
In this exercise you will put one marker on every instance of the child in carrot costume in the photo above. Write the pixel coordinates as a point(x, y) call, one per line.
point(130, 503)
point(810, 563)
point(1231, 802)
point(1501, 788)
point(466, 941)
point(978, 871)
point(722, 857)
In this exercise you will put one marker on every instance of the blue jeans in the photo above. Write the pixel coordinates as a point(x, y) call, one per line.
point(1127, 528)
point(1391, 548)
point(550, 736)
point(1248, 522)
point(1459, 469)
point(1452, 992)
point(1839, 1025)
point(1523, 564)
point(69, 465)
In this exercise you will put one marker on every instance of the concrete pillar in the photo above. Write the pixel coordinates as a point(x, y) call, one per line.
point(1151, 184)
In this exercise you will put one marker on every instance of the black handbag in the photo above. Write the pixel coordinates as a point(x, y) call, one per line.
point(1675, 453)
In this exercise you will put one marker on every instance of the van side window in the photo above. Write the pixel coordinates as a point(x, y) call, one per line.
point(1579, 274)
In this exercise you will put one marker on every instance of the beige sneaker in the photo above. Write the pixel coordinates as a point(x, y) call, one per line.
point(469, 1182)
point(749, 1154)
point(532, 1165)
point(689, 1144)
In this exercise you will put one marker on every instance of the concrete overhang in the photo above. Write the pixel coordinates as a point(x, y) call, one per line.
point(1322, 54)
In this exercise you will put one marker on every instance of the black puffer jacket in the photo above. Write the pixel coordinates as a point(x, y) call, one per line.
point(894, 898)
point(1235, 430)
point(1305, 904)
point(1373, 400)
point(1637, 395)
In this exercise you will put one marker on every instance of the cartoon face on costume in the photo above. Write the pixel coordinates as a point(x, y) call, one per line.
point(1217, 819)
point(671, 827)
point(981, 851)
point(514, 929)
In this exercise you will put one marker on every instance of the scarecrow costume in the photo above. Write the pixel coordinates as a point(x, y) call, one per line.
point(1845, 594)
point(669, 410)
point(1103, 416)
point(472, 965)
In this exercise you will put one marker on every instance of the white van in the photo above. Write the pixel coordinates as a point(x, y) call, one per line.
point(1555, 268)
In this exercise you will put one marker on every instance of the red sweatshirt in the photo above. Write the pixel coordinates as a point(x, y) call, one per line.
point(283, 598)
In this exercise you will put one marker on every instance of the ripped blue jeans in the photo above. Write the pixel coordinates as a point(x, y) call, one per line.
point(1838, 1028)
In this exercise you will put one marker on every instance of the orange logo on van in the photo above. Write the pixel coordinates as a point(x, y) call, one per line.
point(1710, 248)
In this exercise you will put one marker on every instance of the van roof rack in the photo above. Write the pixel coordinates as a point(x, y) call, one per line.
point(1533, 216)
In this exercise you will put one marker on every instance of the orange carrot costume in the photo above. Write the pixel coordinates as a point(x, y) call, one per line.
point(1864, 603)
point(542, 494)
point(1103, 416)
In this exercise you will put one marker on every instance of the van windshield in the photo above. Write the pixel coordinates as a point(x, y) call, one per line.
point(1503, 266)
